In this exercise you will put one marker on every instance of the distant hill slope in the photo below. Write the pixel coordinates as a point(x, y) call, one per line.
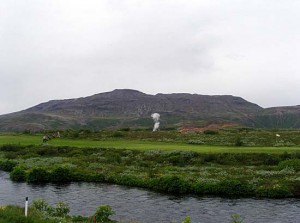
point(279, 117)
point(131, 108)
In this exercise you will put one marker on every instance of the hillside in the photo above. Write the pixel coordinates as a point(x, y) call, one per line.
point(131, 108)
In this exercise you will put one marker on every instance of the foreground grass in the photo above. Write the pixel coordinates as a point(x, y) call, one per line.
point(14, 214)
point(41, 212)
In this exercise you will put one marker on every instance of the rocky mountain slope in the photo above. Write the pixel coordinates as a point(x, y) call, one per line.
point(131, 108)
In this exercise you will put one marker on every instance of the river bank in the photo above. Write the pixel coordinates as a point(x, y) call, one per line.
point(144, 206)
point(175, 172)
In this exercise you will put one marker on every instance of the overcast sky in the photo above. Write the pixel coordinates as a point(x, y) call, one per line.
point(59, 49)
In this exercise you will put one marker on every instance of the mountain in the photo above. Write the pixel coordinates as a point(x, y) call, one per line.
point(131, 108)
point(279, 117)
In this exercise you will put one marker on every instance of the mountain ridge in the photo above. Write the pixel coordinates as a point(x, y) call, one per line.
point(132, 108)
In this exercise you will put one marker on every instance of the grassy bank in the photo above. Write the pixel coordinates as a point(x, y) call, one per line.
point(230, 162)
point(180, 172)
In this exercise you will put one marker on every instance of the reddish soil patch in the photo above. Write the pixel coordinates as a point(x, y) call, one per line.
point(209, 127)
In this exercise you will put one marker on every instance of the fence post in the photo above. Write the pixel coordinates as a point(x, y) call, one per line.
point(26, 206)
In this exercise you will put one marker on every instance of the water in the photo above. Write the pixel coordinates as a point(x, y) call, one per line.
point(137, 205)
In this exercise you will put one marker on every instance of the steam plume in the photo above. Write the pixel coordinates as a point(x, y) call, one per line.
point(155, 117)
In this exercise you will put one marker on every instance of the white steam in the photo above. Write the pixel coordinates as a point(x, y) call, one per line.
point(155, 117)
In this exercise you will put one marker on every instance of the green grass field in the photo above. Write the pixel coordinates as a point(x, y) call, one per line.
point(138, 145)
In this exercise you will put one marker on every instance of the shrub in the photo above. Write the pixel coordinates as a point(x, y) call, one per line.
point(118, 134)
point(125, 129)
point(170, 184)
point(7, 165)
point(47, 151)
point(181, 158)
point(270, 159)
point(234, 188)
point(103, 212)
point(274, 191)
point(61, 210)
point(228, 188)
point(238, 142)
point(187, 220)
point(235, 218)
point(205, 187)
point(61, 174)
point(177, 160)
point(80, 219)
point(40, 205)
point(10, 148)
point(18, 174)
point(210, 132)
point(128, 180)
point(113, 157)
point(196, 142)
point(292, 163)
point(38, 175)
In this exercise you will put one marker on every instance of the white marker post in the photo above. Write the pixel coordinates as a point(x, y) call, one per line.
point(26, 206)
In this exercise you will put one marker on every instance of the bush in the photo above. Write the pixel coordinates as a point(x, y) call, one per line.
point(270, 159)
point(210, 132)
point(61, 210)
point(170, 184)
point(125, 129)
point(292, 163)
point(128, 180)
point(38, 175)
point(10, 148)
point(238, 142)
point(118, 134)
point(61, 174)
point(228, 188)
point(196, 142)
point(187, 220)
point(234, 188)
point(47, 151)
point(235, 218)
point(103, 212)
point(7, 165)
point(18, 174)
point(40, 205)
point(274, 191)
point(80, 219)
point(202, 187)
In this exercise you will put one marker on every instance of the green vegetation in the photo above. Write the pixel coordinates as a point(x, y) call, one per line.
point(231, 163)
point(224, 141)
point(42, 212)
